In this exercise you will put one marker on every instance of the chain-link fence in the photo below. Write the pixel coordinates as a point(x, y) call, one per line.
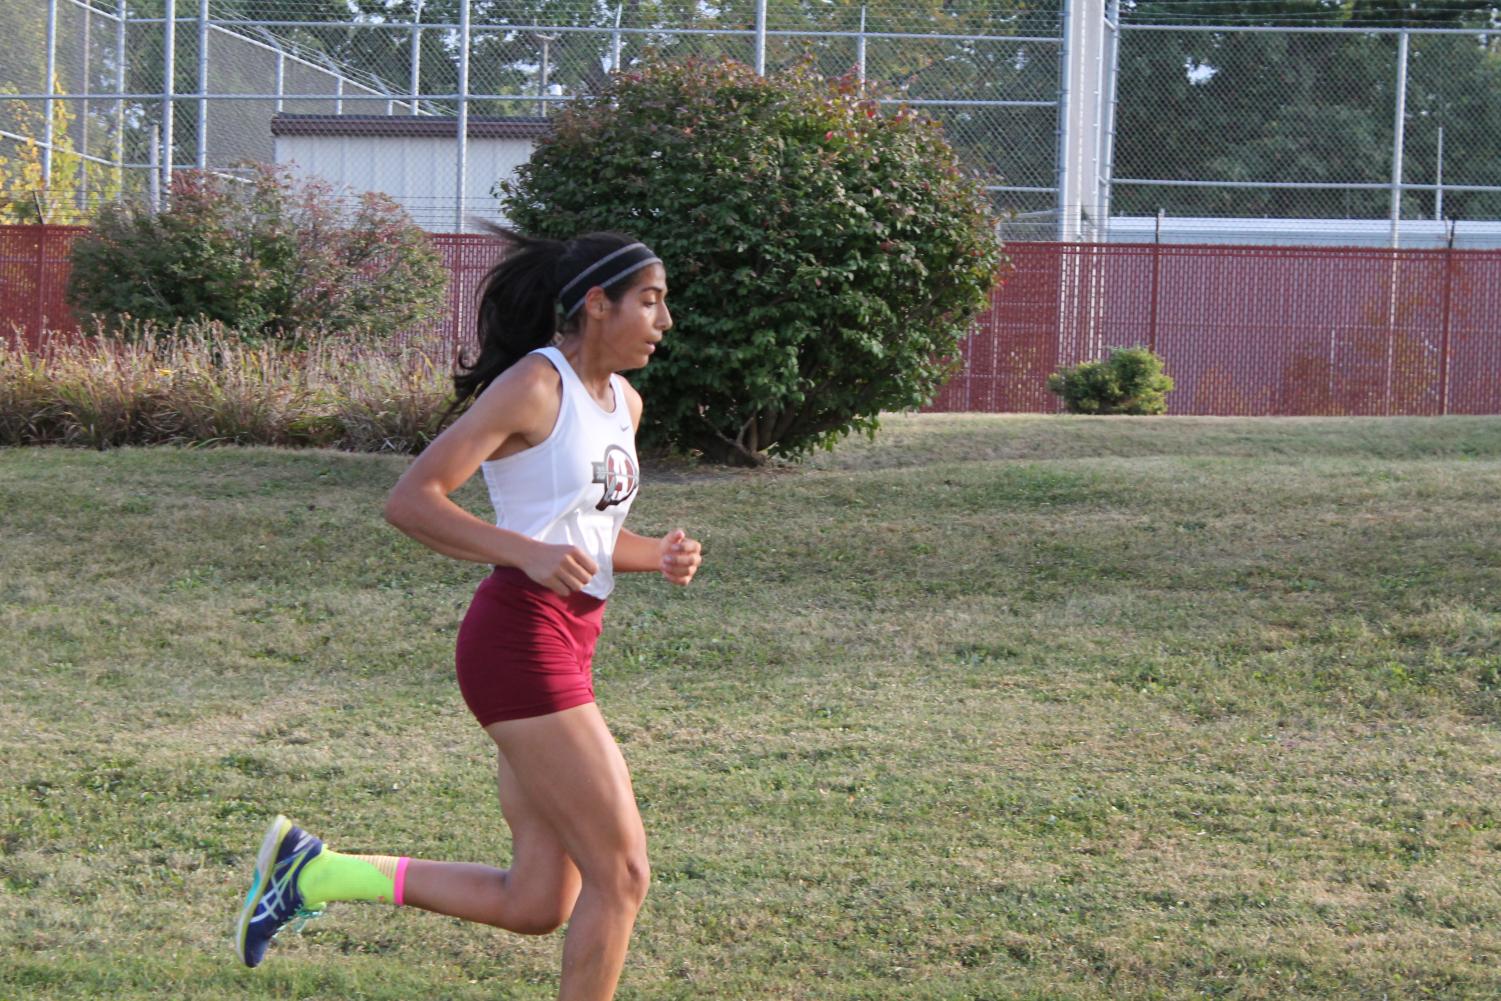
point(126, 89)
point(141, 89)
point(1322, 128)
point(1140, 131)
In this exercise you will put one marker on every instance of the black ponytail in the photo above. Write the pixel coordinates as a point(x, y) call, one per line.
point(518, 305)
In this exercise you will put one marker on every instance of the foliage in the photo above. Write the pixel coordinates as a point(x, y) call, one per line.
point(202, 384)
point(1130, 381)
point(75, 182)
point(826, 255)
point(272, 257)
point(26, 195)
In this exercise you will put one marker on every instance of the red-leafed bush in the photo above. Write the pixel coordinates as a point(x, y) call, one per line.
point(272, 256)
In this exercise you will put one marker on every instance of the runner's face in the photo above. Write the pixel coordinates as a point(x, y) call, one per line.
point(632, 327)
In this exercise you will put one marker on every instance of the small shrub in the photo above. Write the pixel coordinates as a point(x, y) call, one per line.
point(1130, 381)
point(825, 251)
point(274, 257)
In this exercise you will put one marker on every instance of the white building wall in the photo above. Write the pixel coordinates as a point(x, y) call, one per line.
point(419, 173)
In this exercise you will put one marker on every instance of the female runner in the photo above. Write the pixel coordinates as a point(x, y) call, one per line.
point(552, 427)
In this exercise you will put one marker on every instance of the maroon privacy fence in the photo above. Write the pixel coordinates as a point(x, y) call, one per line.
point(33, 278)
point(1243, 330)
point(1247, 330)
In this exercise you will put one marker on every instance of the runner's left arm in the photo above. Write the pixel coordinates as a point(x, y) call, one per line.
point(675, 554)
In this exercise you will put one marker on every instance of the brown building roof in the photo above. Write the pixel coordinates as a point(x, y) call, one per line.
point(408, 126)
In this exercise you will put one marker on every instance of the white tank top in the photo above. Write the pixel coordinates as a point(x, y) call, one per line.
point(578, 484)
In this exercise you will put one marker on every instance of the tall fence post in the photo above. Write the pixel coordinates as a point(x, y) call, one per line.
point(760, 37)
point(1438, 177)
point(415, 62)
point(154, 170)
point(463, 122)
point(860, 53)
point(546, 68)
point(1156, 272)
point(201, 149)
point(615, 39)
point(47, 134)
point(169, 74)
point(1443, 378)
point(1065, 111)
point(120, 89)
point(82, 202)
point(281, 79)
point(1112, 69)
point(39, 321)
point(1399, 134)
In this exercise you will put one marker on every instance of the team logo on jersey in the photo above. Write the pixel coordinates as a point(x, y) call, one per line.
point(618, 475)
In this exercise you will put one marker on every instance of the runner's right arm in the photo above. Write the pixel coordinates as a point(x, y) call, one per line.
point(520, 407)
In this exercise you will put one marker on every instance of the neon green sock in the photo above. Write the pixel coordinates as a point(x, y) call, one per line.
point(331, 876)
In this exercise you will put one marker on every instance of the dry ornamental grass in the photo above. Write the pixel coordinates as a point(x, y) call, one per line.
point(203, 385)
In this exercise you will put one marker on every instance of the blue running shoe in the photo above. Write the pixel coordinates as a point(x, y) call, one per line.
point(273, 899)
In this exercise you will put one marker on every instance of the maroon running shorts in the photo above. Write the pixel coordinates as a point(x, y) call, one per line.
point(525, 651)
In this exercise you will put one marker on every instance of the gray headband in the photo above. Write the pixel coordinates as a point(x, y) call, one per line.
point(616, 266)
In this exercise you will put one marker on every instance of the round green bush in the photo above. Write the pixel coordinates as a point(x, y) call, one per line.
point(273, 256)
point(1130, 381)
point(825, 252)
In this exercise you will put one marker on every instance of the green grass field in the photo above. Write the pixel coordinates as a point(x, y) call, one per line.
point(989, 708)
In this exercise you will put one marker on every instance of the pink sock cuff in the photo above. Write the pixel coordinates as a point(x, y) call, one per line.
point(398, 890)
